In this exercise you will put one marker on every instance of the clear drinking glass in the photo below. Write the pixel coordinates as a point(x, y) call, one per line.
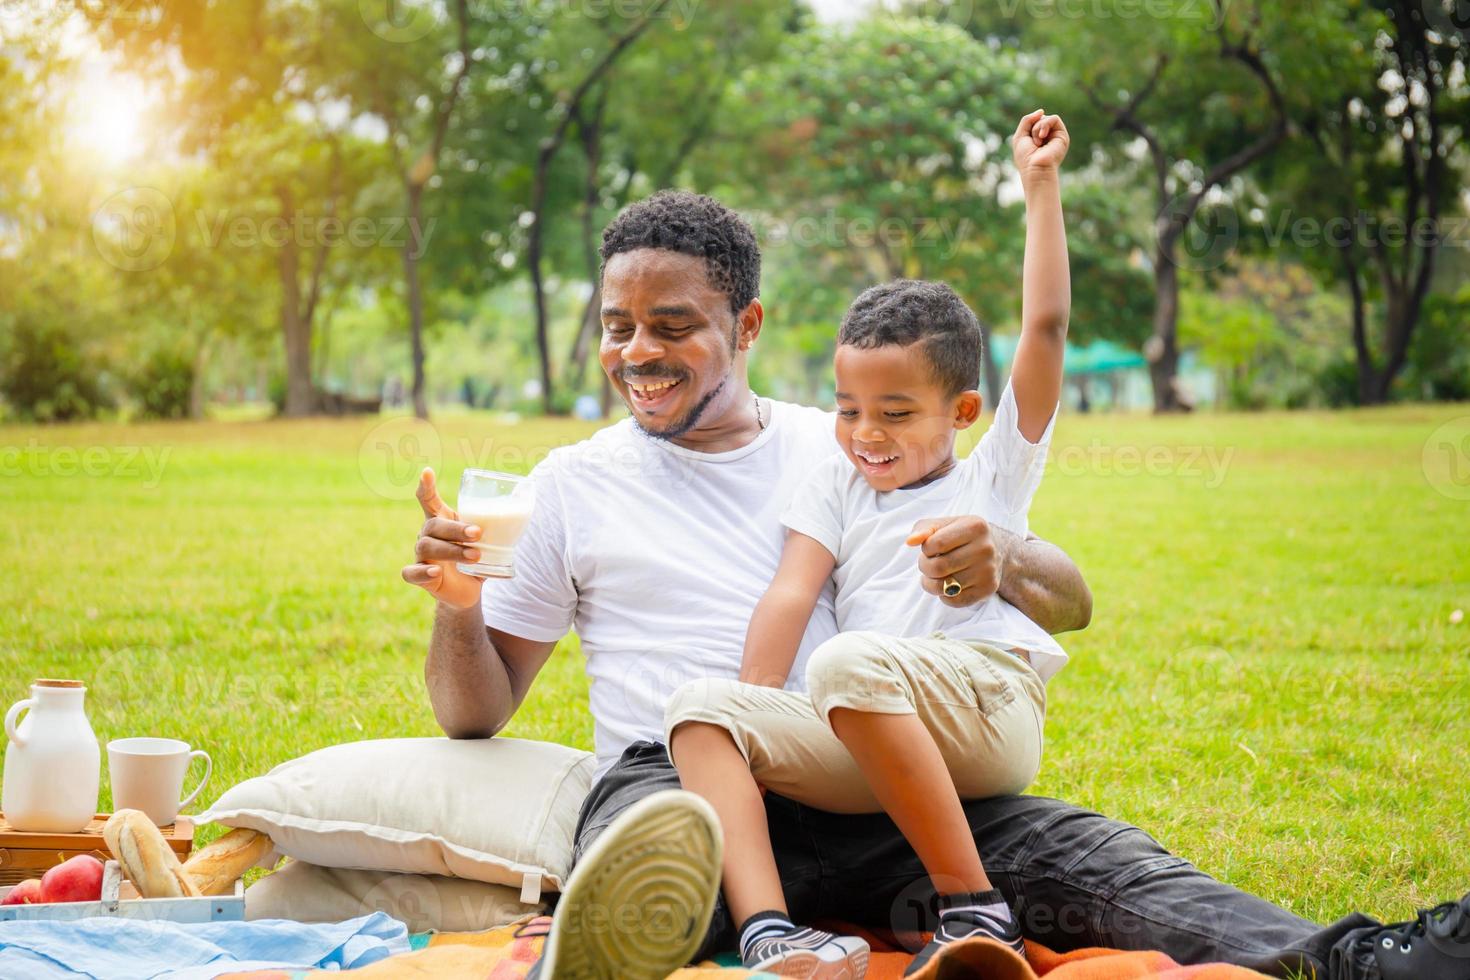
point(499, 504)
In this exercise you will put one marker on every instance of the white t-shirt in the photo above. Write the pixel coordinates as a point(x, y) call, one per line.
point(877, 587)
point(657, 555)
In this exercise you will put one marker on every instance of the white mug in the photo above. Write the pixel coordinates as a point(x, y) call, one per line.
point(148, 774)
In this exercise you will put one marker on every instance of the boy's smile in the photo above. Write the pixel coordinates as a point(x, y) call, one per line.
point(895, 422)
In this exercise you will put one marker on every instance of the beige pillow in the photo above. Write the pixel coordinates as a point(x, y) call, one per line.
point(497, 810)
point(306, 893)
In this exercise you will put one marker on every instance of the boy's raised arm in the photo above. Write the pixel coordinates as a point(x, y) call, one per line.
point(780, 618)
point(1039, 147)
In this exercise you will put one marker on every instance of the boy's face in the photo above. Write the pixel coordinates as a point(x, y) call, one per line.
point(894, 421)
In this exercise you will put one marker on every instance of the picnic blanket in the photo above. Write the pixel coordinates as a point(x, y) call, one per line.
point(136, 949)
point(508, 952)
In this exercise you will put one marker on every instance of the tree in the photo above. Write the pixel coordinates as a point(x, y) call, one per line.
point(1363, 192)
point(253, 109)
point(1206, 105)
point(879, 153)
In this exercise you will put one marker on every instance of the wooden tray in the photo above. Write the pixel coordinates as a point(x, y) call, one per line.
point(26, 855)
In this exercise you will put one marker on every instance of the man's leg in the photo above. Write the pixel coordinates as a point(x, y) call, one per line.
point(1075, 879)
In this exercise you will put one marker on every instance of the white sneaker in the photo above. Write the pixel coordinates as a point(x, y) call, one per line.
point(640, 900)
point(813, 955)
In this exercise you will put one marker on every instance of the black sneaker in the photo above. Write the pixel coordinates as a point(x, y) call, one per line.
point(955, 926)
point(1433, 946)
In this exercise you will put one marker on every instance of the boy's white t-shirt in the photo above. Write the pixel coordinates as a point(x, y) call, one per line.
point(865, 529)
point(657, 555)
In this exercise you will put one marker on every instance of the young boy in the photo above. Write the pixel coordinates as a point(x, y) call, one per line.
point(923, 700)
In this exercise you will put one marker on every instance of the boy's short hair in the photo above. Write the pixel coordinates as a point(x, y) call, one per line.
point(911, 311)
point(697, 225)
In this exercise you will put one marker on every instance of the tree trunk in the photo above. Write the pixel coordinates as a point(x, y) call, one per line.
point(196, 384)
point(411, 250)
point(1162, 349)
point(570, 107)
point(295, 330)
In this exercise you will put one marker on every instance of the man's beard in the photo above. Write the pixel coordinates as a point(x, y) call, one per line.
point(688, 422)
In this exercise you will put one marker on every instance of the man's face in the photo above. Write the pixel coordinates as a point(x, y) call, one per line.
point(894, 421)
point(669, 340)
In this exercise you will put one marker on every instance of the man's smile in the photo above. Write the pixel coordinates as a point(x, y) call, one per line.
point(652, 394)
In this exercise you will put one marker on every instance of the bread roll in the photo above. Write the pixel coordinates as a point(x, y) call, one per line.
point(216, 868)
point(146, 858)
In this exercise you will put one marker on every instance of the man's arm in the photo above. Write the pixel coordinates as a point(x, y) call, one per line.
point(1036, 577)
point(1039, 579)
point(477, 677)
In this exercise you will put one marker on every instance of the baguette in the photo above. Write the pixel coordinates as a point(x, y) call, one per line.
point(216, 868)
point(146, 858)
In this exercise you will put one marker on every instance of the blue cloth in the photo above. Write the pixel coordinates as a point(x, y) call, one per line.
point(137, 949)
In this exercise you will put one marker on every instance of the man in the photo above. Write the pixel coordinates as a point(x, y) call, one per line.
point(656, 537)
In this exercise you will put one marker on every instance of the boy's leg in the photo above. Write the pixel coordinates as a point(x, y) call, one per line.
point(893, 701)
point(710, 765)
point(930, 720)
point(726, 738)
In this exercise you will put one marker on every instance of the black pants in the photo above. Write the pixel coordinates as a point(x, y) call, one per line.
point(1073, 877)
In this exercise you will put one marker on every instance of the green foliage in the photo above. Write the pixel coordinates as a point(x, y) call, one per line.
point(163, 385)
point(1439, 361)
point(45, 376)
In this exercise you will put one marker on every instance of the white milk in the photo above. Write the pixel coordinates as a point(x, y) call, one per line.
point(501, 521)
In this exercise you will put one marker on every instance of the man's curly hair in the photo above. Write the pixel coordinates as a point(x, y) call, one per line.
point(692, 224)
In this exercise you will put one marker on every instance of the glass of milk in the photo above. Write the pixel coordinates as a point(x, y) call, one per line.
point(499, 504)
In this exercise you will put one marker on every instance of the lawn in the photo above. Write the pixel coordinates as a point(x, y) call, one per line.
point(1272, 685)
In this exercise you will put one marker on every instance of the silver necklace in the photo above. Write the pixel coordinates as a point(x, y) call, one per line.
point(758, 420)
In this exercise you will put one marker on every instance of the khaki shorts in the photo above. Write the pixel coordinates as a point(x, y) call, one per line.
point(983, 706)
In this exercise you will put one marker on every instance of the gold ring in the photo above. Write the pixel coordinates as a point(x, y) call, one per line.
point(952, 588)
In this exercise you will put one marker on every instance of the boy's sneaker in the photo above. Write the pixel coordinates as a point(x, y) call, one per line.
point(811, 954)
point(1435, 945)
point(968, 924)
point(640, 900)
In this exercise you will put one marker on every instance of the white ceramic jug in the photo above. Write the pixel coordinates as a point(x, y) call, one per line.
point(53, 763)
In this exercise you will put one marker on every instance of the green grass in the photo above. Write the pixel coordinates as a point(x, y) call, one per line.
point(1272, 685)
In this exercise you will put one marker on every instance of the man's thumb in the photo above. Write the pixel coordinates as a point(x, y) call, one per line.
point(428, 494)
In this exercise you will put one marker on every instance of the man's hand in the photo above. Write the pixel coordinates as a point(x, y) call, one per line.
point(961, 548)
point(1040, 145)
point(443, 540)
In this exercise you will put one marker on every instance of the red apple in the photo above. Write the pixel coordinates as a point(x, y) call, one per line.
point(28, 892)
point(76, 880)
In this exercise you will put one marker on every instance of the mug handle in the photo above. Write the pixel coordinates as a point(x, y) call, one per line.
point(208, 768)
point(10, 718)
